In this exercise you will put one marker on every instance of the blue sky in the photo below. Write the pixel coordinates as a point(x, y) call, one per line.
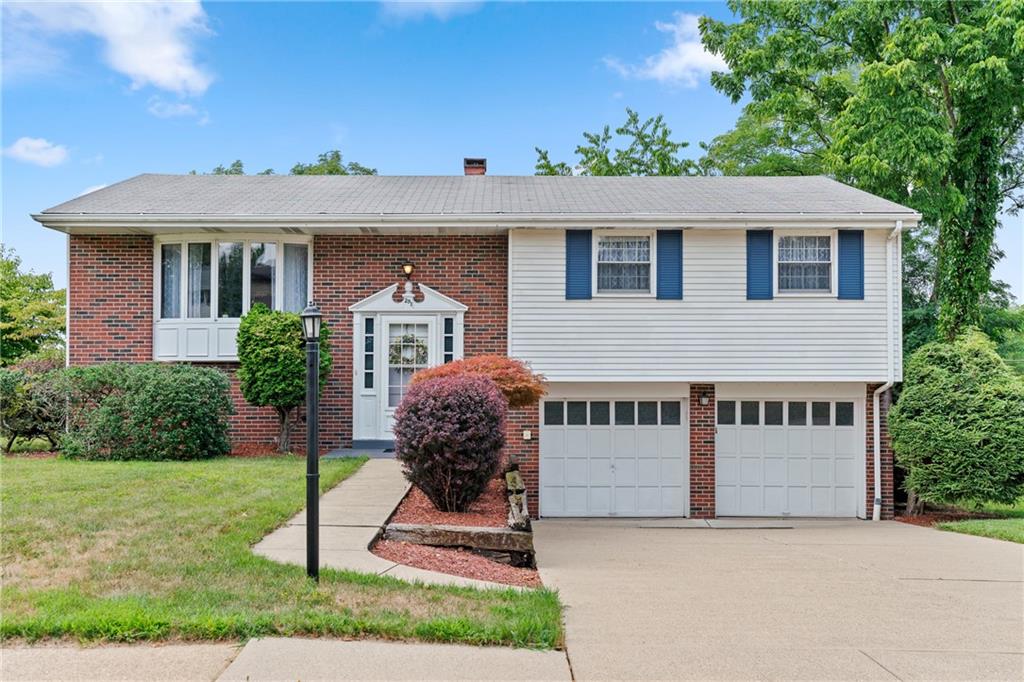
point(96, 93)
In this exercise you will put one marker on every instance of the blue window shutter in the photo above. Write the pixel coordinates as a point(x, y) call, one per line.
point(851, 264)
point(759, 265)
point(670, 264)
point(577, 264)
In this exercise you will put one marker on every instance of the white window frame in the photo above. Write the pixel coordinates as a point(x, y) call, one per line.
point(652, 235)
point(247, 240)
point(833, 265)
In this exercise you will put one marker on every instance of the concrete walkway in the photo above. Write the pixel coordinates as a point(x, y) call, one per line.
point(134, 663)
point(311, 659)
point(817, 600)
point(351, 515)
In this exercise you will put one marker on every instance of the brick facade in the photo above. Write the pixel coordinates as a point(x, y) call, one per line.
point(526, 453)
point(885, 453)
point(110, 281)
point(702, 452)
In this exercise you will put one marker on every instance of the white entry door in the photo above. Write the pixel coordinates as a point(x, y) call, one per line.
point(614, 458)
point(789, 457)
point(408, 346)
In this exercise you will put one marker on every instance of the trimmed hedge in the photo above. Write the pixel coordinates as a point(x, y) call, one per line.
point(449, 432)
point(521, 386)
point(148, 412)
point(958, 426)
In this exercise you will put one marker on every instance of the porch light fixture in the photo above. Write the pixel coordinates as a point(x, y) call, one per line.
point(311, 331)
point(408, 269)
point(704, 399)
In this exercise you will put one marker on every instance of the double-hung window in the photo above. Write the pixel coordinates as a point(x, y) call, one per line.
point(624, 263)
point(192, 286)
point(805, 264)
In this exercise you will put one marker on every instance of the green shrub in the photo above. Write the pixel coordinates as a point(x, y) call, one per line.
point(33, 401)
point(272, 363)
point(958, 427)
point(148, 412)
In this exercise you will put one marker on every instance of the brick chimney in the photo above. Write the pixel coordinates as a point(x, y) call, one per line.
point(474, 166)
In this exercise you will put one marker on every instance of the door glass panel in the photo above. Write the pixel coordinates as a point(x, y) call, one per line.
point(624, 413)
point(554, 413)
point(750, 412)
point(170, 281)
point(647, 413)
point(844, 414)
point(600, 413)
point(229, 279)
point(726, 412)
point(576, 413)
point(262, 264)
point(670, 413)
point(798, 414)
point(407, 352)
point(773, 413)
point(198, 280)
point(821, 414)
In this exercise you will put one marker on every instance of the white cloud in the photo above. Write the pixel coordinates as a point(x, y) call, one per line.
point(36, 150)
point(684, 62)
point(89, 190)
point(411, 10)
point(163, 109)
point(150, 42)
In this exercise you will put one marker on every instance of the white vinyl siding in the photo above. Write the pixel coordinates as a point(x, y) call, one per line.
point(713, 334)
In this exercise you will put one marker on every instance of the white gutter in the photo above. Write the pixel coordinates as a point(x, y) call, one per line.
point(143, 223)
point(876, 513)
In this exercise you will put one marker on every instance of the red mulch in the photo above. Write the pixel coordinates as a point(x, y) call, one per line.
point(456, 562)
point(490, 511)
point(254, 450)
point(930, 518)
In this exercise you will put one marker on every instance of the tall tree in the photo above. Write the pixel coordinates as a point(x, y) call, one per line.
point(759, 145)
point(31, 311)
point(650, 150)
point(330, 163)
point(921, 101)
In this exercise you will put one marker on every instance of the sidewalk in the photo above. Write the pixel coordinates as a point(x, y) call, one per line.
point(351, 516)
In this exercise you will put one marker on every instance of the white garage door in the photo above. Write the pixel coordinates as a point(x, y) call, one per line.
point(613, 458)
point(788, 457)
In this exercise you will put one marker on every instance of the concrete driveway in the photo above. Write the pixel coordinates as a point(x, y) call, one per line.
point(818, 600)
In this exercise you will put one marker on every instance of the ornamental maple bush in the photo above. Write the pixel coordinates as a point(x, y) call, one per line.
point(521, 386)
point(449, 432)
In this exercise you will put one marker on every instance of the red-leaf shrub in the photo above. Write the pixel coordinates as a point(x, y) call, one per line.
point(449, 432)
point(521, 386)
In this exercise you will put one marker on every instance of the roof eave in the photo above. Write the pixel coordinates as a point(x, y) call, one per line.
point(153, 223)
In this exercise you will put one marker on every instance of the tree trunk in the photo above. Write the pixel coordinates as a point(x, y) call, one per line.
point(915, 505)
point(10, 444)
point(284, 441)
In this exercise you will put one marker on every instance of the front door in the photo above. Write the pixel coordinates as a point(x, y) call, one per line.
point(408, 344)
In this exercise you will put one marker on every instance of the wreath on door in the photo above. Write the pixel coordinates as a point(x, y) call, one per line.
point(407, 349)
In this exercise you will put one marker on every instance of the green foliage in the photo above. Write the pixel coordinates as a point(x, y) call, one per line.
point(272, 363)
point(330, 163)
point(33, 404)
point(999, 323)
point(31, 311)
point(917, 101)
point(761, 145)
point(650, 150)
point(147, 412)
point(958, 427)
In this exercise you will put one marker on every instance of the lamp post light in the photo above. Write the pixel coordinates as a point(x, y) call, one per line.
point(311, 333)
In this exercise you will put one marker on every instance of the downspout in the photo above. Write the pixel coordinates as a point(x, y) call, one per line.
point(876, 513)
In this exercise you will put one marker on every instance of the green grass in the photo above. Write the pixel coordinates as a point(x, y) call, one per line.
point(126, 551)
point(1010, 527)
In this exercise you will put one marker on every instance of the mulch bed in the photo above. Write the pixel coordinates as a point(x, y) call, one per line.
point(254, 450)
point(490, 511)
point(930, 518)
point(459, 562)
point(33, 454)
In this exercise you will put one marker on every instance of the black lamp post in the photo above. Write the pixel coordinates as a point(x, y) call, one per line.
point(311, 332)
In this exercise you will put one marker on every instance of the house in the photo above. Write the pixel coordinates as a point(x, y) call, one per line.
point(714, 345)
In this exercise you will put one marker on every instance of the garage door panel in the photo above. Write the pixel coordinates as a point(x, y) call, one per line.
point(577, 442)
point(780, 463)
point(775, 470)
point(624, 469)
point(648, 444)
point(577, 472)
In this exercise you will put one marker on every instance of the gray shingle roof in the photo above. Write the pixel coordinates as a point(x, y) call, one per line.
point(164, 195)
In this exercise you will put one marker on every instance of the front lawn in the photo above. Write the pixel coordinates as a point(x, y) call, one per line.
point(125, 551)
point(1010, 527)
